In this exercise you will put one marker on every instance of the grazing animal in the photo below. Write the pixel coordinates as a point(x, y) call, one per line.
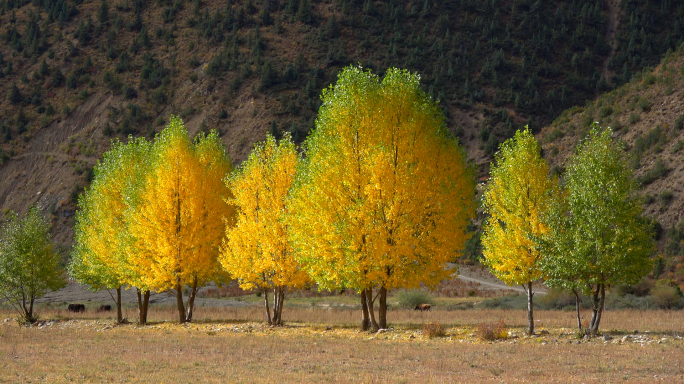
point(105, 308)
point(422, 307)
point(76, 308)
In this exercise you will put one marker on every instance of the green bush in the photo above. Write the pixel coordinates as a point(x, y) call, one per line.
point(634, 118)
point(666, 297)
point(409, 299)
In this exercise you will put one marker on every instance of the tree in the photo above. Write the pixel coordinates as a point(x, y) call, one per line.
point(102, 242)
point(256, 251)
point(177, 218)
point(597, 235)
point(28, 265)
point(516, 198)
point(383, 197)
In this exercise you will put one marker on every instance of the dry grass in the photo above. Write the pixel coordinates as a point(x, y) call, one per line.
point(96, 351)
point(492, 331)
point(432, 330)
point(662, 321)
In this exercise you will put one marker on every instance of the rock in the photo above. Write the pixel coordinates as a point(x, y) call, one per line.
point(607, 337)
point(412, 337)
point(328, 328)
point(636, 332)
point(543, 332)
point(587, 337)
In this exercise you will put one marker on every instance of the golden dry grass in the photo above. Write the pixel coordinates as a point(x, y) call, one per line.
point(232, 344)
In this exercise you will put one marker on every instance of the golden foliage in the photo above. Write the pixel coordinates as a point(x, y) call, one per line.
point(384, 196)
point(256, 250)
point(517, 196)
point(177, 218)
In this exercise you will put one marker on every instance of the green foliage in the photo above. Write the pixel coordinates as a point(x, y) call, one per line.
point(28, 265)
point(408, 299)
point(658, 171)
point(598, 237)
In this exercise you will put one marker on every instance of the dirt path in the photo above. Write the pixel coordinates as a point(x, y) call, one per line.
point(488, 281)
point(611, 35)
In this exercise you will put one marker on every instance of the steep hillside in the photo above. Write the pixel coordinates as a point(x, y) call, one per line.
point(647, 115)
point(75, 74)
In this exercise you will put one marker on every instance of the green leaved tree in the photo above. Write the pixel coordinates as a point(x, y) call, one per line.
point(597, 236)
point(28, 265)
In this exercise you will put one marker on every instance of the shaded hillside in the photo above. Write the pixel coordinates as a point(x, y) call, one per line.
point(76, 74)
point(647, 115)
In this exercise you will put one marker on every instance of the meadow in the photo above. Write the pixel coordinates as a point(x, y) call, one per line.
point(318, 343)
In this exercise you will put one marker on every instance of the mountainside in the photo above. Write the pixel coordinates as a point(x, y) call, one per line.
point(76, 74)
point(647, 116)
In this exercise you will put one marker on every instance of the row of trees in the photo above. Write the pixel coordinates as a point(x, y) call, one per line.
point(583, 234)
point(381, 200)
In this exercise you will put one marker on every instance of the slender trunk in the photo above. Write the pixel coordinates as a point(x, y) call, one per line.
point(596, 320)
point(119, 315)
point(146, 305)
point(577, 307)
point(142, 318)
point(191, 299)
point(30, 311)
point(595, 308)
point(280, 310)
point(382, 310)
point(179, 302)
point(268, 310)
point(371, 311)
point(365, 320)
point(278, 298)
point(530, 309)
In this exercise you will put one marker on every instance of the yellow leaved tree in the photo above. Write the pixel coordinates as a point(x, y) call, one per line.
point(100, 254)
point(177, 218)
point(256, 251)
point(517, 198)
point(384, 195)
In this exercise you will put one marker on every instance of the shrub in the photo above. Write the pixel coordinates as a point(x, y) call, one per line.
point(634, 118)
point(666, 297)
point(605, 111)
point(433, 329)
point(492, 331)
point(644, 104)
point(649, 199)
point(659, 170)
point(554, 135)
point(665, 197)
point(679, 123)
point(409, 299)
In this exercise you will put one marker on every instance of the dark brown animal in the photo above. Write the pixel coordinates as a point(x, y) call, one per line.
point(422, 307)
point(105, 308)
point(76, 308)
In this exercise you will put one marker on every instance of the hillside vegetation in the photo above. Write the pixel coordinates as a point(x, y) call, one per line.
point(647, 116)
point(78, 73)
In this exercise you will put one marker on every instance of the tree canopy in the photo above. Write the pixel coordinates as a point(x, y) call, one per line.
point(384, 194)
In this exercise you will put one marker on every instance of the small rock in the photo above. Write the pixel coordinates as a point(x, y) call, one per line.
point(636, 332)
point(412, 337)
point(607, 337)
point(328, 328)
point(587, 337)
point(543, 332)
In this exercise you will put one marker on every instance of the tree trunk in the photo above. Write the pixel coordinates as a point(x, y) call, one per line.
point(371, 311)
point(146, 305)
point(365, 319)
point(530, 309)
point(143, 302)
point(599, 304)
point(31, 319)
point(278, 298)
point(191, 299)
point(119, 313)
point(179, 302)
point(382, 310)
point(268, 310)
point(577, 307)
point(594, 307)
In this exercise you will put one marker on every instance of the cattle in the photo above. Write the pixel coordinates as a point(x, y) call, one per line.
point(422, 307)
point(105, 308)
point(76, 308)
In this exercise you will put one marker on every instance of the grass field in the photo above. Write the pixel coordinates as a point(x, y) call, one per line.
point(318, 344)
